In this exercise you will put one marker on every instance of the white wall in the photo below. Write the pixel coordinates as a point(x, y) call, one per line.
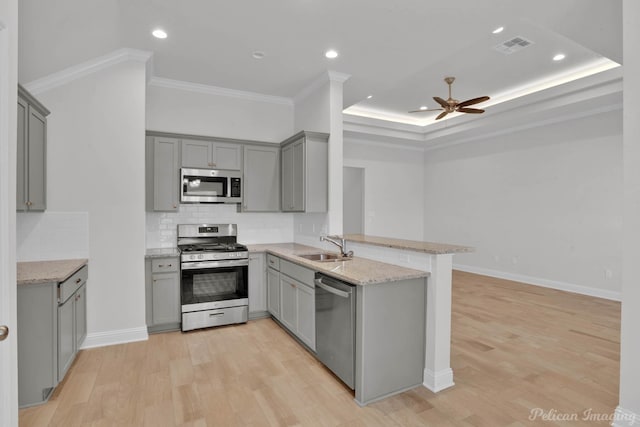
point(183, 111)
point(394, 188)
point(52, 235)
point(543, 205)
point(629, 342)
point(95, 164)
point(8, 137)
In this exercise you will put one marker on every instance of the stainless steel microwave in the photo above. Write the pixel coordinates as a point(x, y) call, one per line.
point(210, 186)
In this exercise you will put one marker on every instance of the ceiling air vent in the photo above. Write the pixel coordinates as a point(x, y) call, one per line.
point(513, 45)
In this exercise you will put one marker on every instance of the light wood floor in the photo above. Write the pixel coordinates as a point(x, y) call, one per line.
point(514, 348)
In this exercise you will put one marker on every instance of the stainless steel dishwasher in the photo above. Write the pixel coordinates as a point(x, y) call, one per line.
point(336, 327)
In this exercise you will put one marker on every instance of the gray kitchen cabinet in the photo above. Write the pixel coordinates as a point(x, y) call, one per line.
point(273, 291)
point(296, 298)
point(211, 154)
point(304, 172)
point(31, 154)
point(261, 179)
point(162, 294)
point(51, 329)
point(162, 174)
point(257, 286)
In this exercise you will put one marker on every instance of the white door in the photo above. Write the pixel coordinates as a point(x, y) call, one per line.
point(8, 128)
point(353, 200)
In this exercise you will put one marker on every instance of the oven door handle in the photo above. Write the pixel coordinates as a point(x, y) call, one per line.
point(199, 265)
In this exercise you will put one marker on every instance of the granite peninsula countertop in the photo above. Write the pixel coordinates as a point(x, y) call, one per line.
point(33, 272)
point(409, 245)
point(162, 253)
point(357, 271)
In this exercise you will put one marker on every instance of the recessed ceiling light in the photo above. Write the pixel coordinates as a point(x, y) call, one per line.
point(331, 54)
point(159, 34)
point(370, 96)
point(559, 57)
point(258, 54)
point(498, 30)
point(424, 107)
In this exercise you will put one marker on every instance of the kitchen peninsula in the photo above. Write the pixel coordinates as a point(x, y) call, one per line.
point(437, 259)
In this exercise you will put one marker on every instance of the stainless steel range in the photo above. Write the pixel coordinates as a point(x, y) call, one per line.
point(214, 275)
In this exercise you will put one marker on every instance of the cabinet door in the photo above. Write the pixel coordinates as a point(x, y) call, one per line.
point(165, 174)
point(197, 154)
point(261, 179)
point(289, 307)
point(287, 178)
point(273, 292)
point(37, 160)
point(227, 156)
point(166, 298)
point(80, 301)
point(257, 285)
point(21, 193)
point(66, 336)
point(298, 176)
point(307, 315)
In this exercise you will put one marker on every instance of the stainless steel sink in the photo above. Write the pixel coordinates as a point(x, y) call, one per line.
point(324, 257)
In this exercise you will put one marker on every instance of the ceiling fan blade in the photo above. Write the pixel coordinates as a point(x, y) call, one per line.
point(470, 110)
point(441, 101)
point(441, 115)
point(473, 101)
point(424, 111)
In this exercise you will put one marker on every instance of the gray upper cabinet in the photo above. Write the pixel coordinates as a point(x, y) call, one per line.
point(261, 179)
point(305, 172)
point(32, 153)
point(163, 174)
point(211, 154)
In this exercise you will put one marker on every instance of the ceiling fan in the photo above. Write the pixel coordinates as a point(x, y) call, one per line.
point(452, 105)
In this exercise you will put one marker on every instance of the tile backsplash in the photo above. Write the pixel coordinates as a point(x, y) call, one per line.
point(252, 227)
point(52, 235)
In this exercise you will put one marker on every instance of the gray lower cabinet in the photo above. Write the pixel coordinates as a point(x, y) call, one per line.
point(273, 292)
point(261, 183)
point(31, 154)
point(162, 294)
point(305, 166)
point(257, 286)
point(211, 154)
point(51, 329)
point(162, 174)
point(296, 304)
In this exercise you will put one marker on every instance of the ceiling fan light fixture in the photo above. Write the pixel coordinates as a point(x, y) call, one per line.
point(498, 30)
point(331, 54)
point(159, 33)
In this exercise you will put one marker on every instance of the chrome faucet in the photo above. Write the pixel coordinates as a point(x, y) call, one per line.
point(339, 242)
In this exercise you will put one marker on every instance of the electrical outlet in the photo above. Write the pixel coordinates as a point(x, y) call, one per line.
point(514, 260)
point(496, 258)
point(608, 274)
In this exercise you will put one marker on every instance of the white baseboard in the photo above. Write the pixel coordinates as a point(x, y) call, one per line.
point(122, 336)
point(437, 381)
point(625, 418)
point(530, 280)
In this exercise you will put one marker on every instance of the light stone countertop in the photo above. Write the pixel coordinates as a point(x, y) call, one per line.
point(162, 253)
point(410, 245)
point(33, 272)
point(357, 271)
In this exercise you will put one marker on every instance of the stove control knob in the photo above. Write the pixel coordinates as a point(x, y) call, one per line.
point(200, 256)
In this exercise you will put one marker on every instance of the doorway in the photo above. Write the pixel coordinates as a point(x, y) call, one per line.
point(353, 200)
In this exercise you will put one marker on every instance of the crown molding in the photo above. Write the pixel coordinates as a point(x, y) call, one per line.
point(75, 72)
point(220, 91)
point(321, 80)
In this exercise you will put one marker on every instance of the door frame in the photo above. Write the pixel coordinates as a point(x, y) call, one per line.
point(8, 290)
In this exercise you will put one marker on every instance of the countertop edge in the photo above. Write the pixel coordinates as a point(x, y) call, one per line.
point(73, 266)
point(408, 245)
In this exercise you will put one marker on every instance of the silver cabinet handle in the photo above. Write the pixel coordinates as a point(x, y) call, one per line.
point(78, 281)
point(4, 332)
point(216, 314)
point(331, 289)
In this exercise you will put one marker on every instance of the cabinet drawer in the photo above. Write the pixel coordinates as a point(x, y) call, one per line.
point(69, 286)
point(164, 265)
point(298, 272)
point(273, 262)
